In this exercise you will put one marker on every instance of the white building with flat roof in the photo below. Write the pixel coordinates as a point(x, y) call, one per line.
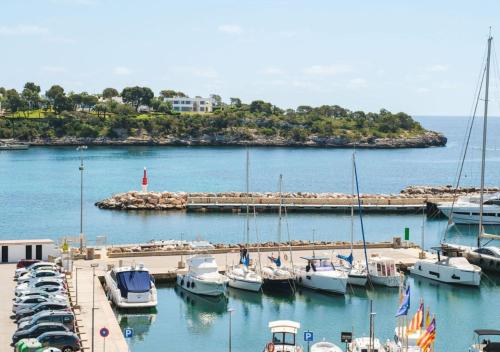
point(196, 104)
point(15, 250)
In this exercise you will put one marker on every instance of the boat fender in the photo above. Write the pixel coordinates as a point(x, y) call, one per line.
point(270, 347)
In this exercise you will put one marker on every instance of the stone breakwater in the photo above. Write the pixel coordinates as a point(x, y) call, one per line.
point(413, 195)
point(427, 139)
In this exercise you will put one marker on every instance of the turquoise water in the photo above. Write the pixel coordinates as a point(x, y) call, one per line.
point(39, 188)
point(184, 319)
point(39, 197)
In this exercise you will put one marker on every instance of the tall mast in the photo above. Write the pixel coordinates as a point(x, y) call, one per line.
point(485, 131)
point(352, 202)
point(247, 196)
point(279, 216)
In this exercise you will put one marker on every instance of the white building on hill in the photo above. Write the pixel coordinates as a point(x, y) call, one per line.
point(196, 104)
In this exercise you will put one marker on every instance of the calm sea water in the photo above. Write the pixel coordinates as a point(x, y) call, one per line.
point(39, 197)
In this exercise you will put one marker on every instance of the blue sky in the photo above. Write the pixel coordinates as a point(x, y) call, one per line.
point(422, 57)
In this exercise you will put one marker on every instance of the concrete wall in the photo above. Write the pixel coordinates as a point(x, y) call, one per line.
point(18, 251)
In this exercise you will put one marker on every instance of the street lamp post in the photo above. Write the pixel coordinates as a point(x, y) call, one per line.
point(81, 149)
point(230, 310)
point(94, 265)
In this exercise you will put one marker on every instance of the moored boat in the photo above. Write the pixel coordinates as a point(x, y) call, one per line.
point(320, 274)
point(131, 287)
point(284, 333)
point(383, 271)
point(203, 277)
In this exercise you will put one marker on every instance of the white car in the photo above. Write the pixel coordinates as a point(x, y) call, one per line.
point(39, 292)
point(43, 289)
point(40, 282)
point(30, 301)
point(39, 273)
point(35, 266)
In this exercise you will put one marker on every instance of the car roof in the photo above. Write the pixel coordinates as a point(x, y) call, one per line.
point(52, 312)
point(48, 323)
point(58, 333)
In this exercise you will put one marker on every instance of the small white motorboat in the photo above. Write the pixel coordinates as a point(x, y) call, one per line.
point(365, 344)
point(131, 287)
point(451, 270)
point(320, 274)
point(203, 277)
point(325, 346)
point(244, 278)
point(483, 341)
point(383, 271)
point(284, 337)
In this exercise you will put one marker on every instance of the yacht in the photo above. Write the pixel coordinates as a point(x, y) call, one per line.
point(483, 341)
point(383, 271)
point(203, 277)
point(325, 346)
point(451, 270)
point(487, 257)
point(131, 287)
point(284, 333)
point(320, 274)
point(466, 210)
point(366, 344)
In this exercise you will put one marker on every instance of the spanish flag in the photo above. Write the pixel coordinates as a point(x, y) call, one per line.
point(418, 318)
point(428, 337)
point(427, 318)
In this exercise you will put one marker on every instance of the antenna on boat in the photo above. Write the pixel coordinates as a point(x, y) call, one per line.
point(485, 132)
point(372, 328)
point(314, 244)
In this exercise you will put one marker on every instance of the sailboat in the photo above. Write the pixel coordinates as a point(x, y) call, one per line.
point(367, 343)
point(274, 277)
point(357, 274)
point(242, 276)
point(483, 255)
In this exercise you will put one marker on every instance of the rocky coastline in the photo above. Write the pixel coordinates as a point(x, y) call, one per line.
point(428, 139)
point(134, 200)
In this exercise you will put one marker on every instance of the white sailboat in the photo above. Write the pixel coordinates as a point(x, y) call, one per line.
point(203, 277)
point(367, 343)
point(483, 255)
point(320, 274)
point(242, 276)
point(274, 277)
point(357, 273)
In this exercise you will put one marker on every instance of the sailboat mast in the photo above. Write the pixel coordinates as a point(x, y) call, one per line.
point(485, 131)
point(352, 202)
point(247, 190)
point(279, 216)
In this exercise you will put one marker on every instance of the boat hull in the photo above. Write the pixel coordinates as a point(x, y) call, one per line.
point(446, 274)
point(389, 281)
point(485, 262)
point(278, 285)
point(470, 215)
point(242, 284)
point(326, 283)
point(357, 279)
point(202, 287)
point(137, 300)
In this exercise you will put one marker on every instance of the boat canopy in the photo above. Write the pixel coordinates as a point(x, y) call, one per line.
point(133, 281)
point(492, 332)
point(284, 326)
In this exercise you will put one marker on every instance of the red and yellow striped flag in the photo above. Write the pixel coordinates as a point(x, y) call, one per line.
point(416, 322)
point(427, 318)
point(428, 337)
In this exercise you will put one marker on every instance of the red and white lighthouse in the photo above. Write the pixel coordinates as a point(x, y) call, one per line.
point(145, 181)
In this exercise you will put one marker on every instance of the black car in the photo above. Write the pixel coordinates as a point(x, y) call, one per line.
point(37, 330)
point(50, 305)
point(65, 341)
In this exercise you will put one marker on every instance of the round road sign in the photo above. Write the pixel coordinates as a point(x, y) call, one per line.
point(104, 332)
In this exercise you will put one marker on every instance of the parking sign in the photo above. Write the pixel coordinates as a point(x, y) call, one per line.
point(308, 336)
point(128, 332)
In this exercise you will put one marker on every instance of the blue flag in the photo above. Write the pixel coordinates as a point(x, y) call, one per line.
point(348, 258)
point(276, 261)
point(405, 304)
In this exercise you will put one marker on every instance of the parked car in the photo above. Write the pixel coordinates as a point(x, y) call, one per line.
point(32, 301)
point(48, 289)
point(50, 305)
point(37, 330)
point(65, 317)
point(39, 282)
point(38, 273)
point(57, 294)
point(23, 263)
point(35, 266)
point(65, 341)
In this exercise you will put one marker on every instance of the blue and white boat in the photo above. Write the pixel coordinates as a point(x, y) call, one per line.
point(131, 287)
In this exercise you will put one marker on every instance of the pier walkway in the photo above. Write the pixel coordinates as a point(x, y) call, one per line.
point(7, 325)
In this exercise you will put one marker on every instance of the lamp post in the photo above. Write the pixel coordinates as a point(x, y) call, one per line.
point(230, 310)
point(81, 149)
point(76, 283)
point(93, 265)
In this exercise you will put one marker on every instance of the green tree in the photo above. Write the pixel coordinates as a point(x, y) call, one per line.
point(89, 101)
point(236, 102)
point(137, 96)
point(101, 108)
point(169, 93)
point(109, 93)
point(260, 106)
point(54, 92)
point(13, 101)
point(304, 109)
point(31, 94)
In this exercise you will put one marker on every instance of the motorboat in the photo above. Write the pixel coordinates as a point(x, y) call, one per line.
point(244, 278)
point(325, 346)
point(284, 337)
point(13, 146)
point(366, 344)
point(131, 287)
point(466, 210)
point(320, 274)
point(203, 277)
point(403, 341)
point(451, 270)
point(483, 341)
point(383, 271)
point(487, 257)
